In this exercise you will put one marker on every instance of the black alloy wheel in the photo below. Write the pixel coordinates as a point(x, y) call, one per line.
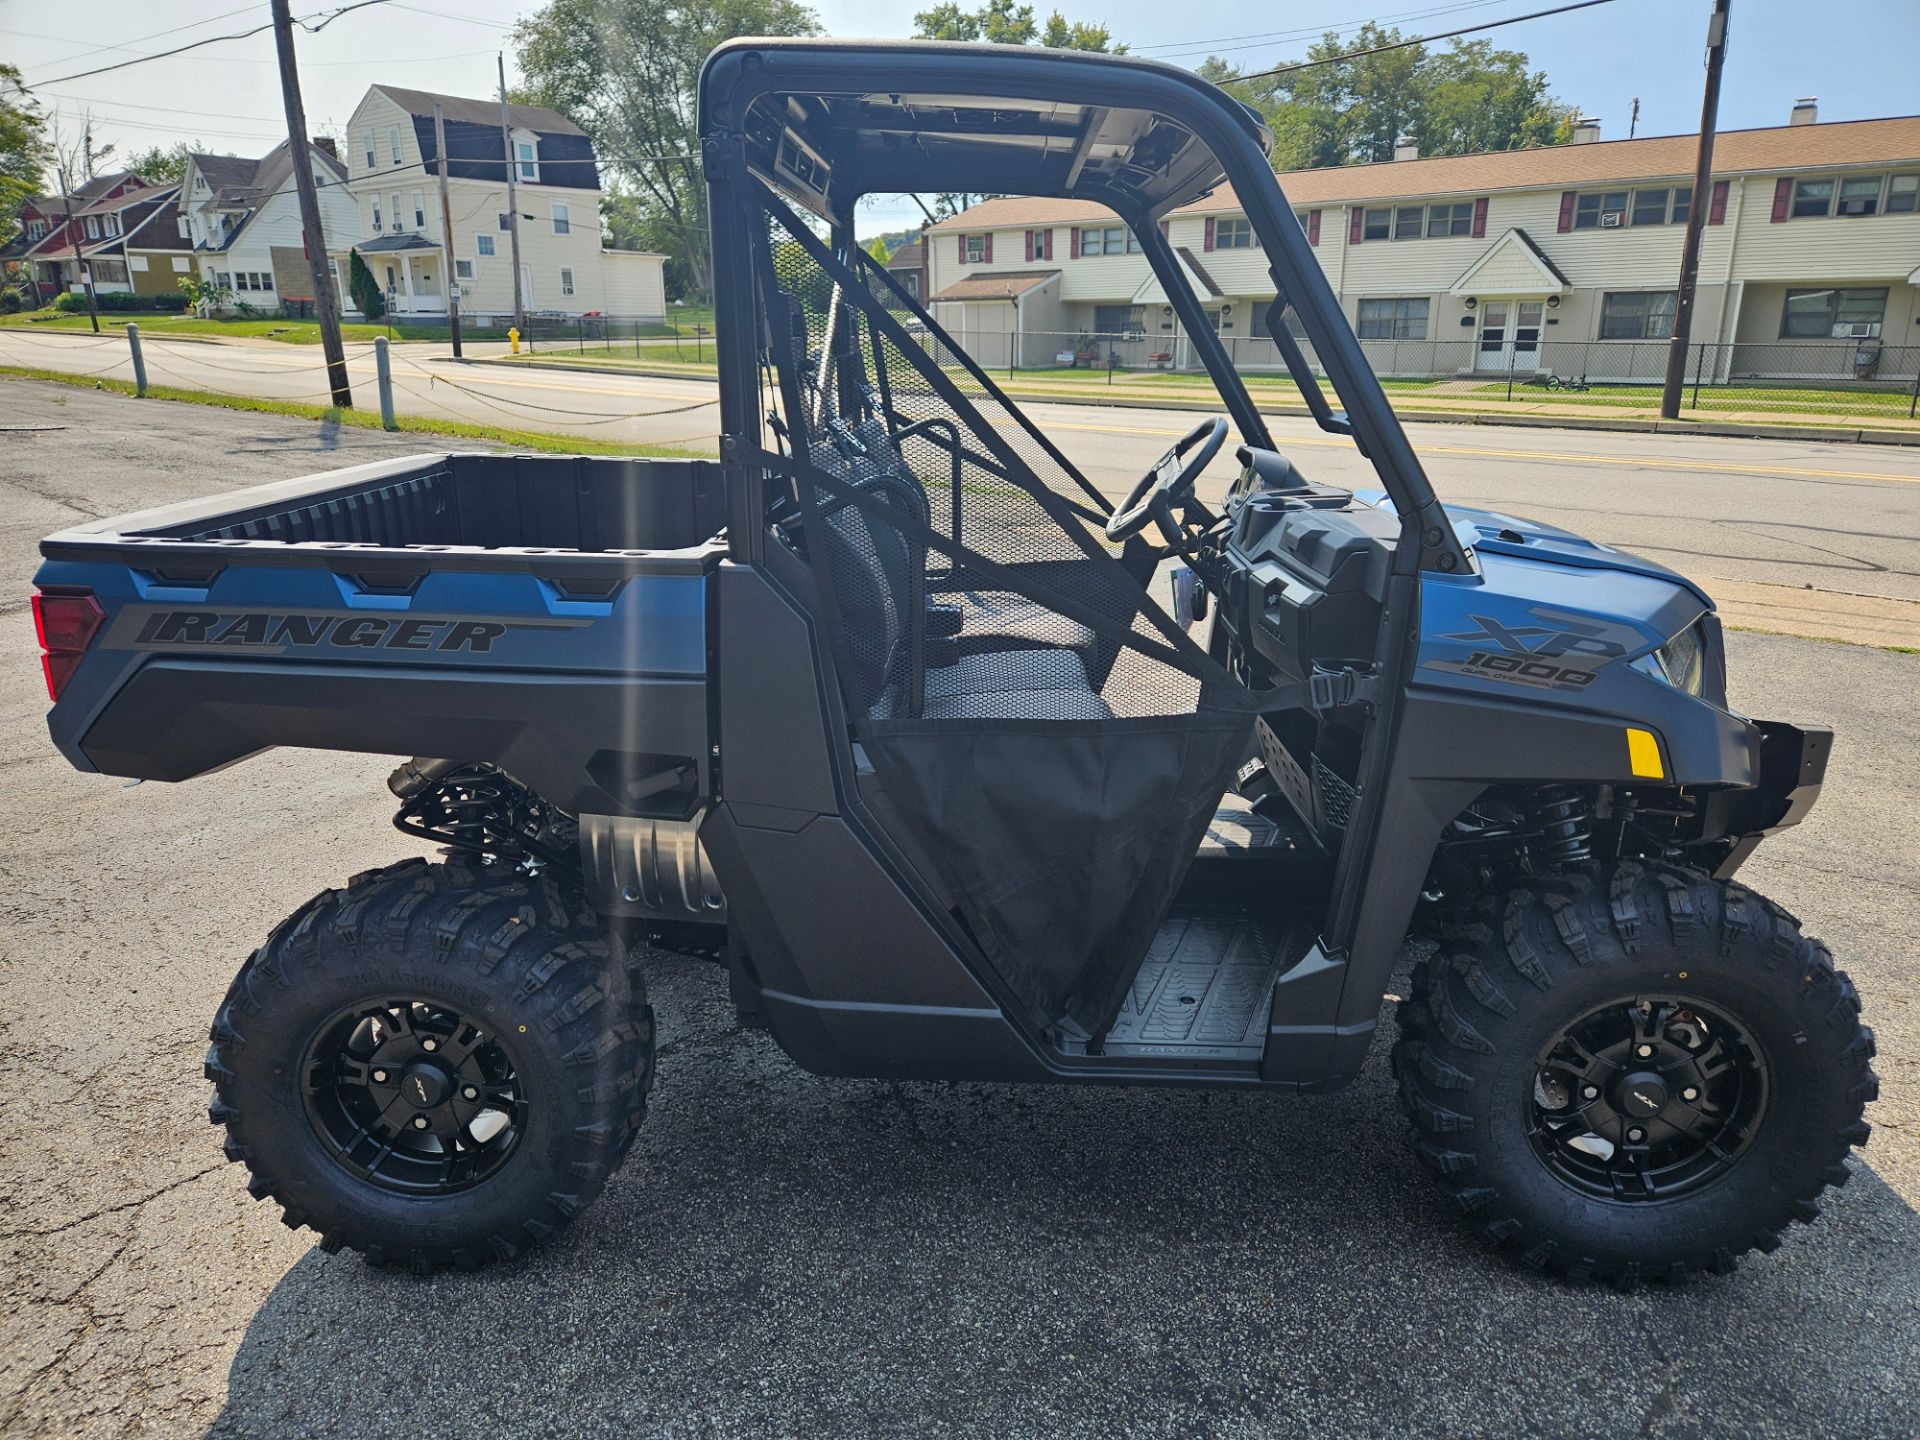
point(412, 1097)
point(1650, 1098)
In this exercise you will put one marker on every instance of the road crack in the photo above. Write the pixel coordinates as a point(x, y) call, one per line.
point(121, 1208)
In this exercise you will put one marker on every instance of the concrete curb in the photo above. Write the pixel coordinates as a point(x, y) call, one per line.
point(1844, 435)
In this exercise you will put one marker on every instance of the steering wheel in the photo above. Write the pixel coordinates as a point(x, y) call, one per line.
point(1170, 480)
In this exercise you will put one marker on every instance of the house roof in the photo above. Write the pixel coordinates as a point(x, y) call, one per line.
point(420, 103)
point(1786, 148)
point(241, 184)
point(996, 285)
point(138, 196)
point(475, 150)
point(384, 244)
point(910, 256)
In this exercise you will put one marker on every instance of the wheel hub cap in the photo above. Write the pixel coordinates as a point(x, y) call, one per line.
point(1642, 1095)
point(425, 1085)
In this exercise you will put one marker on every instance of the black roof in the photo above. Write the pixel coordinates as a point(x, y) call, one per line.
point(474, 148)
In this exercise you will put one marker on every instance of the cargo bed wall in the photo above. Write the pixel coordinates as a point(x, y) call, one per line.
point(489, 501)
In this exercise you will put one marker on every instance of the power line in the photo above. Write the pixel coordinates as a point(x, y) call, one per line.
point(88, 48)
point(329, 18)
point(1229, 42)
point(1417, 40)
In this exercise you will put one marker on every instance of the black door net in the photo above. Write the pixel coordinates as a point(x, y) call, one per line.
point(1054, 741)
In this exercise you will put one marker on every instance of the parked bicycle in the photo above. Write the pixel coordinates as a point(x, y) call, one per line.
point(1566, 382)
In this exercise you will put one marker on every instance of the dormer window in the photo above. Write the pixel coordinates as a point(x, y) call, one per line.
point(526, 156)
point(36, 229)
point(93, 227)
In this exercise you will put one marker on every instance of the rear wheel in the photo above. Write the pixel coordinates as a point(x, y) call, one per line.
point(438, 1065)
point(1634, 1073)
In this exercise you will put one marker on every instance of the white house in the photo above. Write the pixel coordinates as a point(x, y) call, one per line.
point(394, 169)
point(1557, 258)
point(242, 218)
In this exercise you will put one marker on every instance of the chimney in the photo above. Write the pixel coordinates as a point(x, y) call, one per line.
point(1406, 148)
point(1586, 130)
point(1806, 110)
point(326, 143)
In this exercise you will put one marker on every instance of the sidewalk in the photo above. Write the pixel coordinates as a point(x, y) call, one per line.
point(1166, 392)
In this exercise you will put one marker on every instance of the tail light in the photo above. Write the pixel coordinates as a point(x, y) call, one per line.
point(65, 625)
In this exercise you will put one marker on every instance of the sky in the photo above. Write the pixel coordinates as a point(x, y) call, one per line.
point(1857, 56)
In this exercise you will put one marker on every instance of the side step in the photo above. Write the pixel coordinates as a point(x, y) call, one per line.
point(1205, 987)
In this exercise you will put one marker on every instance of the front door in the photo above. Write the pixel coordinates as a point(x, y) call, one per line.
point(1510, 334)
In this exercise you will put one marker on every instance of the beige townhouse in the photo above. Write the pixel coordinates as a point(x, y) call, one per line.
point(1559, 258)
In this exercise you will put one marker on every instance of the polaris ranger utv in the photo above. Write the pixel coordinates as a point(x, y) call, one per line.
point(882, 710)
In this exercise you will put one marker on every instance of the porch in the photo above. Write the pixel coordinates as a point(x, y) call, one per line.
point(410, 271)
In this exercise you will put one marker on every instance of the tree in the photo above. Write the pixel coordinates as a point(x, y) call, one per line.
point(24, 151)
point(367, 296)
point(1001, 22)
point(627, 224)
point(877, 248)
point(205, 296)
point(163, 164)
point(1348, 111)
point(625, 71)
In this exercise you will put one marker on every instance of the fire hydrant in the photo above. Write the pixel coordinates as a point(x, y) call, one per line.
point(513, 338)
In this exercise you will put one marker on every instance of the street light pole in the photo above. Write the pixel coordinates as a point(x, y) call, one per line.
point(326, 305)
point(1696, 214)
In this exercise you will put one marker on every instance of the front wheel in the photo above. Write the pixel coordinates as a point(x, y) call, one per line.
point(438, 1065)
point(1634, 1073)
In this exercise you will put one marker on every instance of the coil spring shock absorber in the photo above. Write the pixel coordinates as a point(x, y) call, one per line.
point(1560, 827)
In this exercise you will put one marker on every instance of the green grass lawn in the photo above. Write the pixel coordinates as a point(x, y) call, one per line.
point(1809, 399)
point(292, 332)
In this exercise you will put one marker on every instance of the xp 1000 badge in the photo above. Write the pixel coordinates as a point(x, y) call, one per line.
point(1560, 652)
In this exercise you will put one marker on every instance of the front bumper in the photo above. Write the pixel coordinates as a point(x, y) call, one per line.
point(1793, 766)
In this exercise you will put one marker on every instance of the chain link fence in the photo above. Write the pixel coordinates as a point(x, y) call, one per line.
point(1851, 378)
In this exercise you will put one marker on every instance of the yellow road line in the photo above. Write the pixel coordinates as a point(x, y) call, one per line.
point(1637, 462)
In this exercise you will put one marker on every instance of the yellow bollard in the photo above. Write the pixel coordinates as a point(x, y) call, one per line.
point(513, 339)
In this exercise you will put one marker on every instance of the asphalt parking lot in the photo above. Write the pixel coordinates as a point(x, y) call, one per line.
point(787, 1255)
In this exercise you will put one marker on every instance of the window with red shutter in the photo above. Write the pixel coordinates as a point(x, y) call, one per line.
point(1782, 197)
point(1480, 218)
point(1356, 220)
point(1313, 227)
point(1208, 243)
point(986, 250)
point(1717, 209)
point(1567, 197)
point(1073, 243)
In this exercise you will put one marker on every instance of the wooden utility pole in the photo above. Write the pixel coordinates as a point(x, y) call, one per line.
point(326, 304)
point(513, 201)
point(446, 225)
point(79, 264)
point(1697, 213)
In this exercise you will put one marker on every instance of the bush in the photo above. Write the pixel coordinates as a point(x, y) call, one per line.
point(68, 303)
point(367, 296)
point(12, 302)
point(121, 300)
point(171, 304)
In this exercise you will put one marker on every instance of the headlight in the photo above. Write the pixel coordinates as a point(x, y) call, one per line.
point(1683, 660)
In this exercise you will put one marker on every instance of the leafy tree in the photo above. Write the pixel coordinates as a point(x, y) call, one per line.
point(203, 296)
point(24, 151)
point(625, 71)
point(1001, 22)
point(164, 164)
point(1348, 111)
point(877, 248)
point(368, 298)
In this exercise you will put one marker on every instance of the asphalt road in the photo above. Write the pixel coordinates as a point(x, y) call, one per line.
point(1810, 537)
point(786, 1255)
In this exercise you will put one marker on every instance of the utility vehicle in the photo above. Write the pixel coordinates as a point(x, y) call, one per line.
point(882, 710)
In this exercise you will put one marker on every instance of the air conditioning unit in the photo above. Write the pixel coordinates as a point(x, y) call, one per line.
point(1858, 330)
point(398, 227)
point(1612, 219)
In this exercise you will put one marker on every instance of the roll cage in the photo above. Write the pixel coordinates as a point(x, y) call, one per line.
point(826, 122)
